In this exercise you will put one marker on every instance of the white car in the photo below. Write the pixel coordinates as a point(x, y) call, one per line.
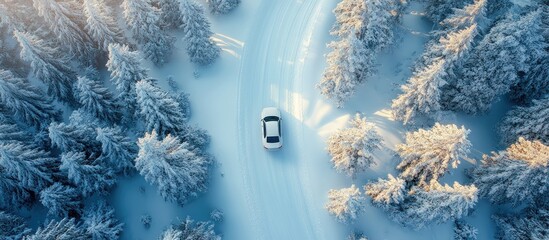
point(270, 127)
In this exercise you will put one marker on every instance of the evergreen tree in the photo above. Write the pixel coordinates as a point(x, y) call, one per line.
point(117, 149)
point(437, 205)
point(351, 148)
point(84, 173)
point(97, 100)
point(29, 165)
point(12, 133)
point(351, 17)
point(531, 224)
point(346, 203)
point(100, 25)
point(357, 236)
point(12, 194)
point(530, 122)
point(382, 18)
point(222, 6)
point(438, 10)
point(464, 231)
point(349, 64)
point(516, 175)
point(200, 47)
point(126, 70)
point(28, 103)
point(427, 153)
point(535, 83)
point(12, 227)
point(386, 192)
point(188, 229)
point(68, 137)
point(60, 199)
point(100, 222)
point(63, 229)
point(172, 166)
point(170, 16)
point(66, 21)
point(143, 20)
point(160, 110)
point(47, 65)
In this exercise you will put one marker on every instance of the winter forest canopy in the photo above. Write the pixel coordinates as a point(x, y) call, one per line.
point(81, 110)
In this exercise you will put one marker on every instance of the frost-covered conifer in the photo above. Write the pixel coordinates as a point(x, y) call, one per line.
point(28, 103)
point(195, 136)
point(60, 199)
point(97, 100)
point(346, 203)
point(10, 132)
point(100, 222)
point(31, 166)
point(517, 175)
point(12, 194)
point(350, 17)
point(531, 122)
point(351, 148)
point(117, 149)
point(84, 173)
point(66, 20)
point(126, 70)
point(222, 6)
point(188, 229)
point(464, 231)
point(170, 16)
point(382, 18)
point(66, 228)
point(200, 47)
point(349, 64)
point(160, 110)
point(68, 137)
point(12, 227)
point(531, 224)
point(356, 236)
point(437, 10)
point(535, 83)
point(172, 166)
point(427, 153)
point(386, 192)
point(143, 20)
point(437, 205)
point(471, 14)
point(100, 25)
point(47, 65)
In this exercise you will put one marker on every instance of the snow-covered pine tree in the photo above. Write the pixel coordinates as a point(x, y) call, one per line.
point(346, 203)
point(100, 222)
point(47, 65)
point(195, 136)
point(535, 83)
point(126, 70)
point(10, 132)
point(438, 10)
point(28, 103)
point(172, 166)
point(531, 224)
point(69, 137)
point(471, 14)
point(66, 228)
point(143, 20)
point(117, 149)
point(100, 25)
point(222, 6)
point(350, 17)
point(188, 229)
point(12, 194)
point(381, 19)
point(86, 174)
point(66, 21)
point(437, 205)
point(427, 153)
point(159, 109)
point(516, 175)
point(349, 64)
point(60, 199)
point(531, 122)
point(351, 148)
point(97, 100)
point(170, 17)
point(464, 231)
point(31, 166)
point(356, 236)
point(196, 27)
point(421, 95)
point(12, 227)
point(489, 73)
point(388, 192)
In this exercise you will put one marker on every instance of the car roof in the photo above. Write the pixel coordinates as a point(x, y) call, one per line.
point(272, 128)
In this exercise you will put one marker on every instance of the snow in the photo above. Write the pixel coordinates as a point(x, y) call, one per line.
point(273, 55)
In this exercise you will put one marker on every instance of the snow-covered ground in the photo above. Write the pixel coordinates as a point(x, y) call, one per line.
point(273, 55)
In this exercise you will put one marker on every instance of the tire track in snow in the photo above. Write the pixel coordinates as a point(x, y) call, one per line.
point(277, 199)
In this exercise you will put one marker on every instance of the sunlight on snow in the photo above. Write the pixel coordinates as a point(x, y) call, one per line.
point(385, 113)
point(329, 128)
point(229, 45)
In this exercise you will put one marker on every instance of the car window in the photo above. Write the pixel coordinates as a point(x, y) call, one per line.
point(264, 129)
point(272, 139)
point(279, 132)
point(270, 118)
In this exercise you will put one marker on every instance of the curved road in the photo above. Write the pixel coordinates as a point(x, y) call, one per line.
point(276, 183)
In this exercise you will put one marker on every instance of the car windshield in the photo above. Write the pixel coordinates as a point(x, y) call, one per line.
point(272, 139)
point(270, 118)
